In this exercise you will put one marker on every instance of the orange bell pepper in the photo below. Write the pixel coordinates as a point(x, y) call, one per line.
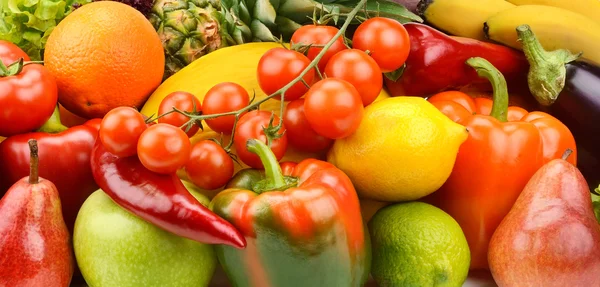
point(505, 147)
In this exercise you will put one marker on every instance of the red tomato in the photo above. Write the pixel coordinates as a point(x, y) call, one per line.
point(319, 35)
point(27, 99)
point(333, 108)
point(10, 53)
point(358, 69)
point(278, 67)
point(120, 130)
point(298, 130)
point(386, 39)
point(223, 98)
point(209, 166)
point(183, 101)
point(251, 126)
point(163, 148)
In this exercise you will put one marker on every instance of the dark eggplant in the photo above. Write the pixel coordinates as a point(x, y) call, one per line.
point(569, 89)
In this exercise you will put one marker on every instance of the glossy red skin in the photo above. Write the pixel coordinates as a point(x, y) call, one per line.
point(278, 67)
point(251, 126)
point(319, 35)
point(35, 247)
point(324, 202)
point(334, 108)
point(437, 63)
point(387, 41)
point(32, 89)
point(183, 101)
point(209, 166)
point(10, 53)
point(494, 164)
point(160, 199)
point(358, 69)
point(64, 160)
point(223, 98)
point(551, 236)
point(299, 132)
point(120, 130)
point(163, 148)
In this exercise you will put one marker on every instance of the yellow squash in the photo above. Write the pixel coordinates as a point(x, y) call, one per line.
point(232, 64)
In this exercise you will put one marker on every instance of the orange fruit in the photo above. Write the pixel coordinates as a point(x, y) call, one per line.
point(104, 55)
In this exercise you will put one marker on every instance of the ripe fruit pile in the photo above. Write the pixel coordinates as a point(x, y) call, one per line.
point(358, 148)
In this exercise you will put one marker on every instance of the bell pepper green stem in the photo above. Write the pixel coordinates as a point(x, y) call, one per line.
point(485, 69)
point(547, 72)
point(53, 124)
point(274, 176)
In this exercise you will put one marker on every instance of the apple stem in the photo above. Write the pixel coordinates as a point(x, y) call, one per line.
point(567, 153)
point(33, 162)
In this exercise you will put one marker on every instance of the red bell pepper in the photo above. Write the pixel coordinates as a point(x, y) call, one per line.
point(302, 229)
point(436, 63)
point(160, 199)
point(64, 160)
point(505, 147)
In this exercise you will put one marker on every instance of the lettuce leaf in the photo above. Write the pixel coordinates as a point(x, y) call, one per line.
point(596, 203)
point(28, 23)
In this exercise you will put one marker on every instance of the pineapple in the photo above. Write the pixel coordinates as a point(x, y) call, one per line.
point(190, 29)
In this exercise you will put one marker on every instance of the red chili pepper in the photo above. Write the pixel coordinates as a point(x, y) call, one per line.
point(161, 199)
point(436, 63)
point(64, 160)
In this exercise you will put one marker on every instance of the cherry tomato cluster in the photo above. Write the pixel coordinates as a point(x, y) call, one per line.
point(328, 103)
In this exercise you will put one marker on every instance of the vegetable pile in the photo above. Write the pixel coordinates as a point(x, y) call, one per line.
point(297, 143)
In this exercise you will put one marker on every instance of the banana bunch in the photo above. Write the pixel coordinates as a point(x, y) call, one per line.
point(558, 24)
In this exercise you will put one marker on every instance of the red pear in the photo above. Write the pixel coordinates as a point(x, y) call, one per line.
point(551, 236)
point(35, 247)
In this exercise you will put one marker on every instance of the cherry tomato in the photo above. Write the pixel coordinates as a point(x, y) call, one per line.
point(319, 35)
point(251, 126)
point(209, 166)
point(27, 98)
point(278, 67)
point(223, 98)
point(120, 131)
point(183, 101)
point(386, 39)
point(300, 134)
point(163, 148)
point(358, 69)
point(333, 108)
point(10, 53)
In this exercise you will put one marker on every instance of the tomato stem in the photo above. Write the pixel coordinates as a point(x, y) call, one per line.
point(485, 69)
point(34, 177)
point(281, 92)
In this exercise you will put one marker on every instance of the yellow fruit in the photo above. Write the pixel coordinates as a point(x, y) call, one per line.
point(463, 18)
point(232, 64)
point(404, 149)
point(588, 8)
point(555, 28)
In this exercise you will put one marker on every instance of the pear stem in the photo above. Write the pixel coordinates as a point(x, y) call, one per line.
point(34, 160)
point(567, 153)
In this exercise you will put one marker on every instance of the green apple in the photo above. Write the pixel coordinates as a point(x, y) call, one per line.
point(116, 248)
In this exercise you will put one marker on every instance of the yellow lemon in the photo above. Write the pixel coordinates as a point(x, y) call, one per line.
point(404, 149)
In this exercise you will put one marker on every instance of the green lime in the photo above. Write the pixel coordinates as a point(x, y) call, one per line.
point(417, 244)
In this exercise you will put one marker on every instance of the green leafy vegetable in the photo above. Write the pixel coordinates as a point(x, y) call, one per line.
point(596, 203)
point(28, 23)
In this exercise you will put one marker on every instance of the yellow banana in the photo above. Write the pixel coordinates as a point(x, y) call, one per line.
point(232, 64)
point(463, 18)
point(555, 28)
point(588, 8)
